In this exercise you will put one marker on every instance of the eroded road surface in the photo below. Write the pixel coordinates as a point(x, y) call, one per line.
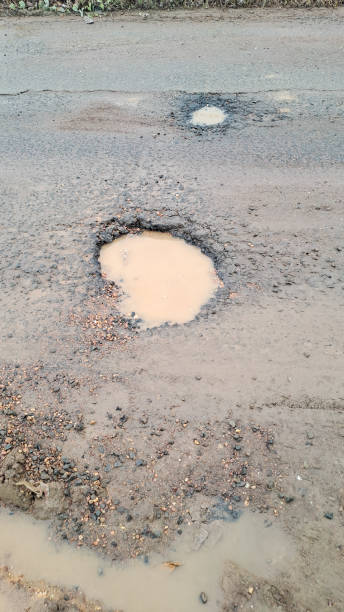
point(187, 466)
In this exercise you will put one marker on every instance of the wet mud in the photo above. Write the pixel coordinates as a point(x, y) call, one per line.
point(78, 474)
point(128, 440)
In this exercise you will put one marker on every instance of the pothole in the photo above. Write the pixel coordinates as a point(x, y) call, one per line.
point(163, 278)
point(208, 116)
point(221, 112)
point(185, 578)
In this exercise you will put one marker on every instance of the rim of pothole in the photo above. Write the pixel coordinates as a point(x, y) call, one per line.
point(178, 227)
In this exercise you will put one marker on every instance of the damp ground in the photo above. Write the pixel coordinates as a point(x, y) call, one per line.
point(188, 576)
point(164, 279)
point(123, 439)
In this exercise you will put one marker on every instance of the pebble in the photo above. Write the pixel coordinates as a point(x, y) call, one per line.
point(241, 483)
point(329, 515)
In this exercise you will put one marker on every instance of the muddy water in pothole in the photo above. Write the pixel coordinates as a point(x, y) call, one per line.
point(147, 587)
point(163, 278)
point(207, 116)
point(5, 604)
point(14, 600)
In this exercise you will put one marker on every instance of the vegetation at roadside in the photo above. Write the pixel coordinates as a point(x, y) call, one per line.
point(24, 7)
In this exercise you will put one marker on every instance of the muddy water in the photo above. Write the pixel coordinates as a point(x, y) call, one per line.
point(153, 586)
point(163, 278)
point(6, 604)
point(207, 116)
point(13, 600)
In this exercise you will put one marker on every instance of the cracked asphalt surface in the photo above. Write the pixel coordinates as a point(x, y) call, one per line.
point(140, 428)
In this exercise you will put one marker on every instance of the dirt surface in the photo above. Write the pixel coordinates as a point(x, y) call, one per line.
point(125, 438)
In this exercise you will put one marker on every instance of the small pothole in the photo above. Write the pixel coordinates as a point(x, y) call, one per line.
point(209, 113)
point(163, 278)
point(208, 116)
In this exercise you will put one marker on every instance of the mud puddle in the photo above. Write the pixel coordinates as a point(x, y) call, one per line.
point(5, 603)
point(208, 116)
point(164, 279)
point(13, 600)
point(155, 583)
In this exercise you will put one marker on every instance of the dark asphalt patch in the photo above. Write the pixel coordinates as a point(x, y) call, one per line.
point(240, 111)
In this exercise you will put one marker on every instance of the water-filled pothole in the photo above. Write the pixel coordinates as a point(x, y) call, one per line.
point(171, 582)
point(163, 278)
point(208, 116)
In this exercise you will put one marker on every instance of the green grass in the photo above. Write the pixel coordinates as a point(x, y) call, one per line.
point(90, 6)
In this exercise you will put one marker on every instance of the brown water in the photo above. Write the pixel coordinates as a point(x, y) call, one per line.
point(163, 278)
point(153, 587)
point(6, 605)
